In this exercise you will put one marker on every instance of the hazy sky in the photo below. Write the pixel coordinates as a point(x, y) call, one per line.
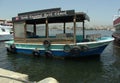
point(101, 12)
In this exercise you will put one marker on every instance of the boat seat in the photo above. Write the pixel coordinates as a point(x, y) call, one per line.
point(85, 40)
point(93, 37)
point(69, 35)
point(79, 38)
point(61, 36)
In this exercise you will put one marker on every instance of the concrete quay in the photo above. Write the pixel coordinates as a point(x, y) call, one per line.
point(7, 76)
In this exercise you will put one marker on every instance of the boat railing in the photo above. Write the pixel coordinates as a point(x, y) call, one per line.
point(41, 40)
point(60, 38)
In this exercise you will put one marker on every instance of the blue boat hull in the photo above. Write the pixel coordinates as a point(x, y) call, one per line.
point(89, 52)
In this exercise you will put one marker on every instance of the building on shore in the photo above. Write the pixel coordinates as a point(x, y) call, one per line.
point(6, 22)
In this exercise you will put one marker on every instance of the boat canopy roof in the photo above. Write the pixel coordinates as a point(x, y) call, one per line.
point(54, 15)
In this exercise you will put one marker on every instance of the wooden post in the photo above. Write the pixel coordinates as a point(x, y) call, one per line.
point(83, 30)
point(14, 30)
point(47, 30)
point(25, 34)
point(34, 28)
point(64, 31)
point(74, 21)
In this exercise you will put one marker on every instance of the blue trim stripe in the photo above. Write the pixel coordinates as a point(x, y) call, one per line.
point(89, 52)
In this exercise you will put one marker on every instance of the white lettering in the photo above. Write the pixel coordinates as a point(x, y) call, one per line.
point(24, 17)
point(43, 15)
point(35, 16)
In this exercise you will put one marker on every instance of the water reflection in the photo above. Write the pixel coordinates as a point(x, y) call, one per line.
point(111, 63)
point(65, 71)
point(116, 64)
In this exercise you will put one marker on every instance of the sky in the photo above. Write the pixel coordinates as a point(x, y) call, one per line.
point(101, 12)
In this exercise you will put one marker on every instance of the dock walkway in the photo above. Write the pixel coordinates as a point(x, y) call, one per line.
point(7, 76)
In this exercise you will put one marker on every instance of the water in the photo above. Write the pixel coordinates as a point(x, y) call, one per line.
point(103, 69)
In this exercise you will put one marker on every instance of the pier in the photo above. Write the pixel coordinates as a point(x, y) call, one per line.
point(7, 76)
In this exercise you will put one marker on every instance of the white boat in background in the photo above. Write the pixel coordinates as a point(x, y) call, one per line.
point(6, 32)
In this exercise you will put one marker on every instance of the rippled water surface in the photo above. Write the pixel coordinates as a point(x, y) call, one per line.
point(103, 69)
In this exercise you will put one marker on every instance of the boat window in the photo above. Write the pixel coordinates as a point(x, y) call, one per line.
point(29, 31)
point(19, 29)
point(40, 30)
point(55, 28)
point(37, 32)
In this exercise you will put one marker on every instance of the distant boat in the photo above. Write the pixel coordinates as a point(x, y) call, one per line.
point(6, 32)
point(61, 44)
point(116, 24)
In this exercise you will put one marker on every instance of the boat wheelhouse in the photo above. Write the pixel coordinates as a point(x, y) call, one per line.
point(27, 40)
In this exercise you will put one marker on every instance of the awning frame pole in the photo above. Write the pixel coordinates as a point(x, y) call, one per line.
point(74, 21)
point(47, 31)
point(83, 30)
